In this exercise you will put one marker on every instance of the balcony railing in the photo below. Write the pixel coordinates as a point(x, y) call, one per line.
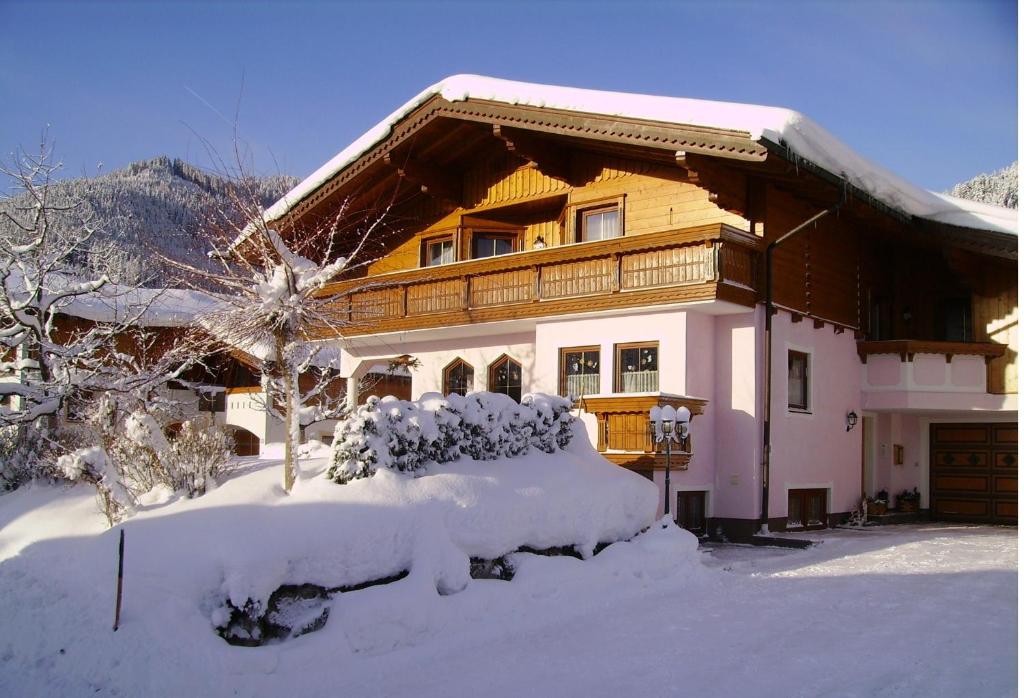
point(703, 263)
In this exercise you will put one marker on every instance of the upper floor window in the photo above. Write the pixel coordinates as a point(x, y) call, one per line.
point(438, 251)
point(636, 368)
point(492, 244)
point(580, 372)
point(799, 380)
point(598, 220)
point(599, 223)
point(506, 376)
point(457, 378)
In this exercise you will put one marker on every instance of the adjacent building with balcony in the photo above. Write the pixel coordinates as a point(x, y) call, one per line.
point(614, 249)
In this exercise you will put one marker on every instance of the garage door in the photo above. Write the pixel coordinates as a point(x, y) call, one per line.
point(974, 472)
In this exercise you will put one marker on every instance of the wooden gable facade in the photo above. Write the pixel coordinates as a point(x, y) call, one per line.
point(687, 213)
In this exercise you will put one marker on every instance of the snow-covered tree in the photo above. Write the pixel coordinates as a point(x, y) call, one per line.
point(999, 188)
point(47, 357)
point(271, 276)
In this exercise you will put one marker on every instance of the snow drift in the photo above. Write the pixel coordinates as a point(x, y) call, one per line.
point(189, 561)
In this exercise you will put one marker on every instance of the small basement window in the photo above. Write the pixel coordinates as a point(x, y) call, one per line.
point(807, 509)
point(799, 381)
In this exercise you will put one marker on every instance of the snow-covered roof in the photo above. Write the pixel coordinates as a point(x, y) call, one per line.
point(155, 307)
point(784, 127)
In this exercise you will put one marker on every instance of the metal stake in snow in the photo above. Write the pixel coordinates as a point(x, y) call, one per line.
point(120, 580)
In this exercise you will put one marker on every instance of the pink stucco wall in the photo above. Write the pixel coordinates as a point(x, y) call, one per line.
point(737, 408)
point(967, 371)
point(813, 449)
point(929, 369)
point(718, 357)
point(883, 369)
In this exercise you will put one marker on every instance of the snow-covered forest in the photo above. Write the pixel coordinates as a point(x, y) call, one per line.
point(154, 205)
point(999, 187)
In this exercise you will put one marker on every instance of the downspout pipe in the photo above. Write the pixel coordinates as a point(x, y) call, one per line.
point(769, 308)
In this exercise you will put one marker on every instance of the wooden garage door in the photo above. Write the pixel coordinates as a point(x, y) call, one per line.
point(974, 472)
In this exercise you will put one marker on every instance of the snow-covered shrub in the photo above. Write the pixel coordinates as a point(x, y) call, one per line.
point(406, 436)
point(126, 458)
point(24, 456)
point(93, 466)
point(198, 455)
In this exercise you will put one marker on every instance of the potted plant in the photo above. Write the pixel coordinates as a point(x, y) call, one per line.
point(908, 501)
point(879, 505)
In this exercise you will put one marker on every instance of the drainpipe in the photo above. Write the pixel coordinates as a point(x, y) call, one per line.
point(769, 307)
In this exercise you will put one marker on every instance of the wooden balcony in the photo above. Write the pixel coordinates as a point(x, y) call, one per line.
point(623, 428)
point(634, 271)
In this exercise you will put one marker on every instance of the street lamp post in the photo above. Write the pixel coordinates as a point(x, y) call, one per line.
point(668, 425)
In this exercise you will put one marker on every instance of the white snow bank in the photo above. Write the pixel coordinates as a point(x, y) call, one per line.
point(246, 538)
point(781, 126)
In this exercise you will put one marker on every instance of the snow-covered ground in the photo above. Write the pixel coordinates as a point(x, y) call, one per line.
point(909, 610)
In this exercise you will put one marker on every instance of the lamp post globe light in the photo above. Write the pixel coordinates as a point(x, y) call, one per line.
point(668, 425)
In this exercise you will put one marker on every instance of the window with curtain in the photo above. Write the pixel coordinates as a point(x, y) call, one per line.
point(440, 251)
point(599, 224)
point(580, 372)
point(637, 368)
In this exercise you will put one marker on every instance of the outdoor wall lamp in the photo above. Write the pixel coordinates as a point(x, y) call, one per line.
point(851, 420)
point(668, 425)
point(539, 243)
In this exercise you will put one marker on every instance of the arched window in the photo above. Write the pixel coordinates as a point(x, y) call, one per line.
point(457, 378)
point(506, 376)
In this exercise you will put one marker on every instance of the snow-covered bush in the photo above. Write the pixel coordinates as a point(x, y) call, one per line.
point(198, 456)
point(23, 455)
point(92, 465)
point(406, 436)
point(126, 458)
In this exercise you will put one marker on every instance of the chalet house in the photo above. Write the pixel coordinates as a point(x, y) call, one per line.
point(834, 329)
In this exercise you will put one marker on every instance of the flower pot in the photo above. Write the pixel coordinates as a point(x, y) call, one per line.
point(907, 506)
point(877, 508)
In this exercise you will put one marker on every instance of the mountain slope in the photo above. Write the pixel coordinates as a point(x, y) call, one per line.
point(150, 207)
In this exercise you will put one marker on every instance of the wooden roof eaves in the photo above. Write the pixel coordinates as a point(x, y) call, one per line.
point(987, 242)
point(984, 241)
point(840, 182)
point(721, 143)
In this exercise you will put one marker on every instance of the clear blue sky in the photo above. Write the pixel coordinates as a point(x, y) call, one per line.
point(928, 89)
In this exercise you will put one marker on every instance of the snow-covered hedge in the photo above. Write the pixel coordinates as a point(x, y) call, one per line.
point(406, 435)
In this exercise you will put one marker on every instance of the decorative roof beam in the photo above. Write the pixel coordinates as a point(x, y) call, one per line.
point(550, 158)
point(432, 180)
